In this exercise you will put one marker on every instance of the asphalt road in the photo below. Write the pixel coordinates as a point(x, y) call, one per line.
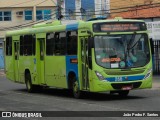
point(14, 97)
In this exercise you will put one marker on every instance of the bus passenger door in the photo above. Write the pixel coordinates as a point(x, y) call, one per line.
point(84, 58)
point(40, 60)
point(16, 60)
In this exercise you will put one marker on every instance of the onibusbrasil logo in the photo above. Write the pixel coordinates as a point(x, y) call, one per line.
point(21, 114)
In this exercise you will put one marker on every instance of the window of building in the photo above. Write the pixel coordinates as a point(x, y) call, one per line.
point(70, 7)
point(28, 15)
point(47, 14)
point(43, 14)
point(88, 8)
point(72, 42)
point(5, 15)
point(39, 15)
point(9, 46)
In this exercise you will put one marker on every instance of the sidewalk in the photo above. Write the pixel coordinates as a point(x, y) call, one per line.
point(2, 72)
point(156, 82)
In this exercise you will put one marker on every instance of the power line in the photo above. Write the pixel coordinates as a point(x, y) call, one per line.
point(143, 7)
point(146, 7)
point(122, 8)
point(42, 2)
point(23, 3)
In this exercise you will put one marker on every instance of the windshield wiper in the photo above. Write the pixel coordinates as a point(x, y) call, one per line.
point(131, 41)
point(127, 49)
point(135, 43)
point(130, 47)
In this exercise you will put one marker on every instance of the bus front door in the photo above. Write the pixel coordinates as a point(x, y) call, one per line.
point(40, 62)
point(16, 60)
point(84, 58)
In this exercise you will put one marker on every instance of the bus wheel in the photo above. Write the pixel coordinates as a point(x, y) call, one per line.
point(29, 86)
point(76, 92)
point(123, 93)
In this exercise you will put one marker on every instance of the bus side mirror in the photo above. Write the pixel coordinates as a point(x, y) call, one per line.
point(90, 46)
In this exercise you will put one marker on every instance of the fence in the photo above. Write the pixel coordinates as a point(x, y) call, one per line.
point(156, 58)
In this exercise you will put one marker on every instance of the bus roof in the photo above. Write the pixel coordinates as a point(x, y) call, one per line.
point(59, 26)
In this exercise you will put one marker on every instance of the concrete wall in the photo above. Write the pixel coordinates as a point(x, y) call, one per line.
point(115, 4)
point(18, 20)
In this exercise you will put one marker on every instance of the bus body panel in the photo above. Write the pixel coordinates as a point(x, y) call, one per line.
point(72, 66)
point(55, 71)
point(26, 63)
point(9, 68)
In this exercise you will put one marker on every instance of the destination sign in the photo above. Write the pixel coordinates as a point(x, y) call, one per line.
point(119, 27)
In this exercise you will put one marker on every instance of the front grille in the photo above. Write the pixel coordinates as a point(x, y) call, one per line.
point(119, 86)
point(124, 72)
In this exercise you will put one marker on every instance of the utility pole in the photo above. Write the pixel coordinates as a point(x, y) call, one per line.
point(59, 10)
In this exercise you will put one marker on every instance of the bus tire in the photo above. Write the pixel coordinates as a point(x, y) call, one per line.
point(123, 93)
point(29, 86)
point(76, 91)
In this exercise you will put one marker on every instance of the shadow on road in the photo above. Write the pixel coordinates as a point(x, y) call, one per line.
point(63, 93)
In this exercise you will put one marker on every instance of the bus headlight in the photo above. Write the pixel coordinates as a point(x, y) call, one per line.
point(99, 75)
point(148, 74)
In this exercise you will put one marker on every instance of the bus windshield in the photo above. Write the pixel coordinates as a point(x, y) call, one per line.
point(122, 51)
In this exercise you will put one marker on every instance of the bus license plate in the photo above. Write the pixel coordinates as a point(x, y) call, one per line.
point(127, 87)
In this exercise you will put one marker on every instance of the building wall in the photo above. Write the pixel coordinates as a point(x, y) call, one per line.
point(116, 4)
point(27, 3)
point(102, 8)
point(70, 9)
point(20, 5)
point(92, 8)
point(18, 20)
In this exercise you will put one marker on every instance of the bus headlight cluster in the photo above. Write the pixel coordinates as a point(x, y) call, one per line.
point(99, 75)
point(148, 74)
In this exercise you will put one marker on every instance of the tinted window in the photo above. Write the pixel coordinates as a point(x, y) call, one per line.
point(49, 43)
point(43, 14)
point(21, 45)
point(9, 46)
point(60, 43)
point(28, 15)
point(5, 15)
point(72, 43)
point(28, 45)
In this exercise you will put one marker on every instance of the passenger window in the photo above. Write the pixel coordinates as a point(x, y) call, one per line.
point(60, 43)
point(8, 46)
point(21, 45)
point(49, 43)
point(72, 43)
point(29, 45)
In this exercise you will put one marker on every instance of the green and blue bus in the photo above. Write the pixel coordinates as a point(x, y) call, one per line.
point(97, 56)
